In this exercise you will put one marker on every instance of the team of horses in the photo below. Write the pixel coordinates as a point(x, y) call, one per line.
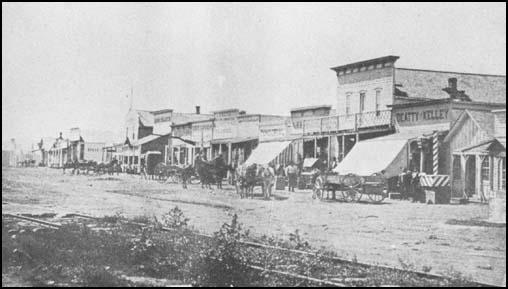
point(244, 177)
point(88, 167)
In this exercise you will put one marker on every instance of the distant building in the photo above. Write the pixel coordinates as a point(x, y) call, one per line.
point(58, 154)
point(148, 132)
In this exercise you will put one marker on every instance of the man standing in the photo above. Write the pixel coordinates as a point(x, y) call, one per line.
point(292, 173)
point(143, 169)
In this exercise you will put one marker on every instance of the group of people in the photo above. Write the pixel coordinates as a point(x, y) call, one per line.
point(408, 185)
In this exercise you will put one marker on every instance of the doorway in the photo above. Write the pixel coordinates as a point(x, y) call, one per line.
point(457, 177)
point(470, 176)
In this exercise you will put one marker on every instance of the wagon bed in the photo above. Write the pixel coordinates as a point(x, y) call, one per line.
point(350, 187)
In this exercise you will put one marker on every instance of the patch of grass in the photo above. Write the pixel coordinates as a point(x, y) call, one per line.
point(80, 255)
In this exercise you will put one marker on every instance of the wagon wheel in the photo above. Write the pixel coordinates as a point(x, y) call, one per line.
point(377, 198)
point(351, 195)
point(317, 190)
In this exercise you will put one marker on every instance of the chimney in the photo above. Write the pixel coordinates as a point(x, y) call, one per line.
point(198, 109)
point(452, 83)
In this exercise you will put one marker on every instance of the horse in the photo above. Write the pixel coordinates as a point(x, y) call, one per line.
point(267, 176)
point(186, 173)
point(70, 165)
point(246, 178)
point(212, 172)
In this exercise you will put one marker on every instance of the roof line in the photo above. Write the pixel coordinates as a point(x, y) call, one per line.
point(455, 72)
point(390, 58)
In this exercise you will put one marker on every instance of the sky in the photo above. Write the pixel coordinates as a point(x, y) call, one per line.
point(74, 65)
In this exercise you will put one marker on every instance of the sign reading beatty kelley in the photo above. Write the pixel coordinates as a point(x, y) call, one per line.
point(422, 116)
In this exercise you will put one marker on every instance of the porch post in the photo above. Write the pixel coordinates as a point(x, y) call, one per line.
point(478, 178)
point(343, 148)
point(315, 147)
point(329, 149)
point(422, 156)
point(463, 162)
point(229, 154)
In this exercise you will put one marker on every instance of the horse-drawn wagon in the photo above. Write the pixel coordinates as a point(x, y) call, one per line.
point(310, 170)
point(351, 187)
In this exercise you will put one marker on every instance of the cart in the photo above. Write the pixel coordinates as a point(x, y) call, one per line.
point(310, 170)
point(351, 187)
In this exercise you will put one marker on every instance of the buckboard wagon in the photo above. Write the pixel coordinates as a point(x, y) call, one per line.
point(351, 187)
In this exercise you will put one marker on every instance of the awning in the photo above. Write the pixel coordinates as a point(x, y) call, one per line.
point(145, 140)
point(266, 152)
point(375, 155)
point(416, 131)
point(309, 162)
point(388, 153)
point(232, 140)
point(175, 142)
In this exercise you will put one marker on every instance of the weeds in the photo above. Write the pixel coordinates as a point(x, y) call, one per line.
point(78, 255)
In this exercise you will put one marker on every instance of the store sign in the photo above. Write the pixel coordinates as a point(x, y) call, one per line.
point(163, 117)
point(422, 116)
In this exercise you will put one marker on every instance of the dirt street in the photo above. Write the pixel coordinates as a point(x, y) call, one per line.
point(392, 233)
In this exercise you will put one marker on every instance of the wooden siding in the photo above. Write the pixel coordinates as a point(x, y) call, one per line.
point(468, 134)
point(500, 124)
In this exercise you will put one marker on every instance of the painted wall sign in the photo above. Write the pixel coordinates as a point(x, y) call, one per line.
point(422, 116)
point(158, 119)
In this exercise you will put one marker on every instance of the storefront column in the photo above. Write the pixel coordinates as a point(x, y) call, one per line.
point(229, 154)
point(422, 156)
point(315, 147)
point(343, 141)
point(478, 176)
point(463, 162)
point(329, 150)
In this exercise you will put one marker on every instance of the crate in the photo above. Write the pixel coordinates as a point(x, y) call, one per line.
point(438, 195)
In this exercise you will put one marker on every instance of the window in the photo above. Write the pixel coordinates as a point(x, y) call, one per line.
point(378, 98)
point(135, 160)
point(485, 173)
point(362, 101)
point(348, 103)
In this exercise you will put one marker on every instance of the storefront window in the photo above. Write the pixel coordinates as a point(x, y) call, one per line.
point(486, 169)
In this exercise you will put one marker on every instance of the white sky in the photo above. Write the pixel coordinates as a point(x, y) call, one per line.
point(67, 65)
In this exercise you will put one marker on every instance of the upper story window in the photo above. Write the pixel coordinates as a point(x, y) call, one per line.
point(362, 101)
point(378, 99)
point(348, 103)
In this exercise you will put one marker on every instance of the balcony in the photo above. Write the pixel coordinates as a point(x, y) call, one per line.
point(351, 122)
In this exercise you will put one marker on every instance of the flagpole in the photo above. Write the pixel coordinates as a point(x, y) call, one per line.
point(131, 98)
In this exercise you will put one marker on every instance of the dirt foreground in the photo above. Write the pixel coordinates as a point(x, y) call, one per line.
point(395, 233)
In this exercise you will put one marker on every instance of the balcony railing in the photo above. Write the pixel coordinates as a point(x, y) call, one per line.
point(352, 122)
